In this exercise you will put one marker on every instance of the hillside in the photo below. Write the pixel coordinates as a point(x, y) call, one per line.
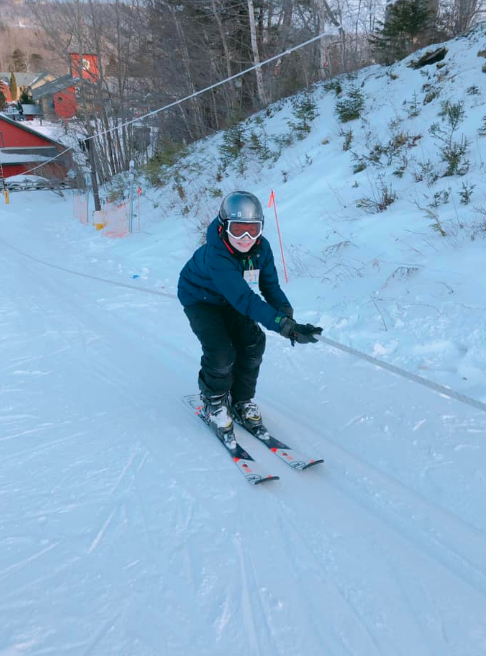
point(19, 29)
point(383, 217)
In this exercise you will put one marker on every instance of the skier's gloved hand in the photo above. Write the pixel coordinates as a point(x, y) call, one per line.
point(287, 310)
point(299, 332)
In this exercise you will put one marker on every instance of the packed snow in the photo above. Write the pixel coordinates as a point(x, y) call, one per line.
point(125, 527)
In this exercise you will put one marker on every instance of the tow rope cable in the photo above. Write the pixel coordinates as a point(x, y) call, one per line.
point(436, 387)
point(441, 389)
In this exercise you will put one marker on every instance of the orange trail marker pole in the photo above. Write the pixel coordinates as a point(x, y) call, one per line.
point(271, 202)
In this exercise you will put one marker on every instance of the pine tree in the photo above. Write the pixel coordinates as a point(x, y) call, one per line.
point(36, 63)
point(405, 29)
point(3, 101)
point(25, 97)
point(18, 61)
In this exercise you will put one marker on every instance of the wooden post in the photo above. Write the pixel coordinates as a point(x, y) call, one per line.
point(94, 177)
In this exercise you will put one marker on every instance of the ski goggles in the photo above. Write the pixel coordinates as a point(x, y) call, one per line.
point(239, 229)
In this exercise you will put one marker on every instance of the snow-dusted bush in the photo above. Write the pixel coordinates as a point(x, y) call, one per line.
point(453, 152)
point(350, 107)
point(383, 196)
point(304, 109)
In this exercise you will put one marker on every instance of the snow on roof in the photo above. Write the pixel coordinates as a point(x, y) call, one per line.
point(23, 126)
point(26, 178)
point(16, 158)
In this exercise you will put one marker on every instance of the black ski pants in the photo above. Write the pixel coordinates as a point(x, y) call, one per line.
point(233, 347)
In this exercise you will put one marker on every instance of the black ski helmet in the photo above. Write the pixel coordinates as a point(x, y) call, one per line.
point(240, 206)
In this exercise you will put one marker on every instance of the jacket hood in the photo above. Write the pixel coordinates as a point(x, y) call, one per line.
point(212, 234)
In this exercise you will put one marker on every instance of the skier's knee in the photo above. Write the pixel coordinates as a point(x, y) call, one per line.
point(221, 361)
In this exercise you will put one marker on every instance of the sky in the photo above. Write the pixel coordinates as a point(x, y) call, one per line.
point(126, 528)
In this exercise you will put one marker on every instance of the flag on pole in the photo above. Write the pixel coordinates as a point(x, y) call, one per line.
point(271, 202)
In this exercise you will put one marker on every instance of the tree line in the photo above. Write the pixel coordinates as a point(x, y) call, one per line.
point(153, 52)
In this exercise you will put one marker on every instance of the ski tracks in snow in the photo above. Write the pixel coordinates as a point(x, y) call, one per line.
point(419, 519)
point(254, 615)
point(127, 522)
point(415, 545)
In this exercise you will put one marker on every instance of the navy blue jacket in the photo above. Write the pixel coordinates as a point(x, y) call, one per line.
point(215, 275)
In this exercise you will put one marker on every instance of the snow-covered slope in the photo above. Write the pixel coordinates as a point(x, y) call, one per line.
point(406, 283)
point(124, 526)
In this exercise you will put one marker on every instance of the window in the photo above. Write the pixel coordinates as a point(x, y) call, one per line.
point(59, 99)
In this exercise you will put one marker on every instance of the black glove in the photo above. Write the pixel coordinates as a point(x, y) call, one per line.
point(299, 332)
point(287, 310)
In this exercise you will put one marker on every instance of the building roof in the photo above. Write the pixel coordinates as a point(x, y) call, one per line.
point(42, 78)
point(56, 85)
point(22, 79)
point(21, 125)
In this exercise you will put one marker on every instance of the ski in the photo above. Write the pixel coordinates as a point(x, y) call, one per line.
point(286, 453)
point(253, 473)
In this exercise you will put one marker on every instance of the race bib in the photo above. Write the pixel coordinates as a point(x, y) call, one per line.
point(252, 277)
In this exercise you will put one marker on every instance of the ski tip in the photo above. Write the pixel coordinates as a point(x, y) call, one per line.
point(312, 463)
point(266, 479)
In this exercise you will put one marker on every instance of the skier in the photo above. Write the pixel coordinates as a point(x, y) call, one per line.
point(216, 288)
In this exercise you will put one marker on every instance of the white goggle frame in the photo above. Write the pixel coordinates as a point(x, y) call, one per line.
point(230, 221)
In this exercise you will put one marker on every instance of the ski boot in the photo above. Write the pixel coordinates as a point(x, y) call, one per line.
point(216, 413)
point(247, 414)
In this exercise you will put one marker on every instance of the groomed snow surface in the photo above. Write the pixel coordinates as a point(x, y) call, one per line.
point(126, 529)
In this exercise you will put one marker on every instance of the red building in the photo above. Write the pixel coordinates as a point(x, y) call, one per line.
point(87, 68)
point(65, 102)
point(23, 149)
point(59, 98)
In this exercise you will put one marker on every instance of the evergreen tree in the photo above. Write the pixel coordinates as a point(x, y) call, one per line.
point(406, 28)
point(3, 101)
point(36, 63)
point(18, 61)
point(25, 97)
point(13, 86)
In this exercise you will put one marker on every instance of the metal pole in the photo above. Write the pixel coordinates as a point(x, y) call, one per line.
point(88, 185)
point(131, 177)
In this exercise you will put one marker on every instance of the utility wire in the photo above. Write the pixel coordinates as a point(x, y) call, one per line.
point(192, 95)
